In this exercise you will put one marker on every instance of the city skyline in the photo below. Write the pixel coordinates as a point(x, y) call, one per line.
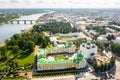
point(60, 4)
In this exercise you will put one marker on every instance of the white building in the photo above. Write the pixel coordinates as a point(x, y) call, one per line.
point(53, 39)
point(118, 40)
point(107, 53)
point(101, 39)
point(77, 35)
point(88, 49)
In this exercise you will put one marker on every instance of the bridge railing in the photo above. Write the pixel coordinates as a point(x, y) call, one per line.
point(18, 21)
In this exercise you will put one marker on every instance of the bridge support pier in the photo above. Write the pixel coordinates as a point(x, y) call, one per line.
point(36, 21)
point(6, 22)
point(24, 22)
point(18, 22)
point(31, 22)
point(11, 22)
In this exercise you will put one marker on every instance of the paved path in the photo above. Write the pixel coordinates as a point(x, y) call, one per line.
point(35, 50)
point(117, 74)
point(29, 74)
point(117, 62)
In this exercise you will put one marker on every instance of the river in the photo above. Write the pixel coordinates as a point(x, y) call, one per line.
point(8, 30)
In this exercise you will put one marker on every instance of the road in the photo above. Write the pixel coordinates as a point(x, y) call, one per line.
point(117, 74)
point(117, 63)
point(35, 50)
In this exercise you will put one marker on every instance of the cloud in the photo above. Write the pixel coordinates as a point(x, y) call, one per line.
point(60, 3)
point(27, 2)
point(14, 1)
point(40, 1)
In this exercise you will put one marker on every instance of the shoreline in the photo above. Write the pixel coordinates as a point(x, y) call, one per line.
point(2, 44)
point(27, 30)
point(2, 23)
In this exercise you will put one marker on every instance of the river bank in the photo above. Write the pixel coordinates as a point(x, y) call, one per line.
point(27, 30)
point(8, 30)
point(2, 23)
point(2, 44)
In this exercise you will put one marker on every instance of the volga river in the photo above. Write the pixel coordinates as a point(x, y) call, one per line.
point(8, 30)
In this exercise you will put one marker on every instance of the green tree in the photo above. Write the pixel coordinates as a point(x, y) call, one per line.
point(30, 46)
point(109, 37)
point(44, 43)
point(16, 36)
point(39, 40)
point(2, 50)
point(15, 49)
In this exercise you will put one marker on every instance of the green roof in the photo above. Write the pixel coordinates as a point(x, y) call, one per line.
point(47, 62)
point(42, 60)
point(69, 44)
point(41, 54)
point(78, 58)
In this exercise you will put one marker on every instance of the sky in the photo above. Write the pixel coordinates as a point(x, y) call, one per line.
point(59, 3)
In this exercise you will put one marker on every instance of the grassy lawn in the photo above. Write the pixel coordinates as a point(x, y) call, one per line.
point(63, 57)
point(27, 60)
point(1, 23)
point(2, 67)
point(19, 78)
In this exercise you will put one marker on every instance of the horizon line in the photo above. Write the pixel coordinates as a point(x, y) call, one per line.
point(59, 8)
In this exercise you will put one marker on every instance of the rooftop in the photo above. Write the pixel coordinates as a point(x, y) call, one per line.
point(76, 59)
point(103, 57)
point(43, 60)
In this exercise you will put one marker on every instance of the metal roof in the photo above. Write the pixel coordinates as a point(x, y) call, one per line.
point(42, 60)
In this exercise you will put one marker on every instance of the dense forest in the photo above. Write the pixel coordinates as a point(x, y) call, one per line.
point(98, 29)
point(56, 27)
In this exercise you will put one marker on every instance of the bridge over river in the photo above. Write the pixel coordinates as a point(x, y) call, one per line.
point(19, 21)
point(16, 26)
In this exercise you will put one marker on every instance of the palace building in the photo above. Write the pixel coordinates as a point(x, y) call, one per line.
point(57, 58)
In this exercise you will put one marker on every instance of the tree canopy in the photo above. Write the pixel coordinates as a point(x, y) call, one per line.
point(55, 27)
